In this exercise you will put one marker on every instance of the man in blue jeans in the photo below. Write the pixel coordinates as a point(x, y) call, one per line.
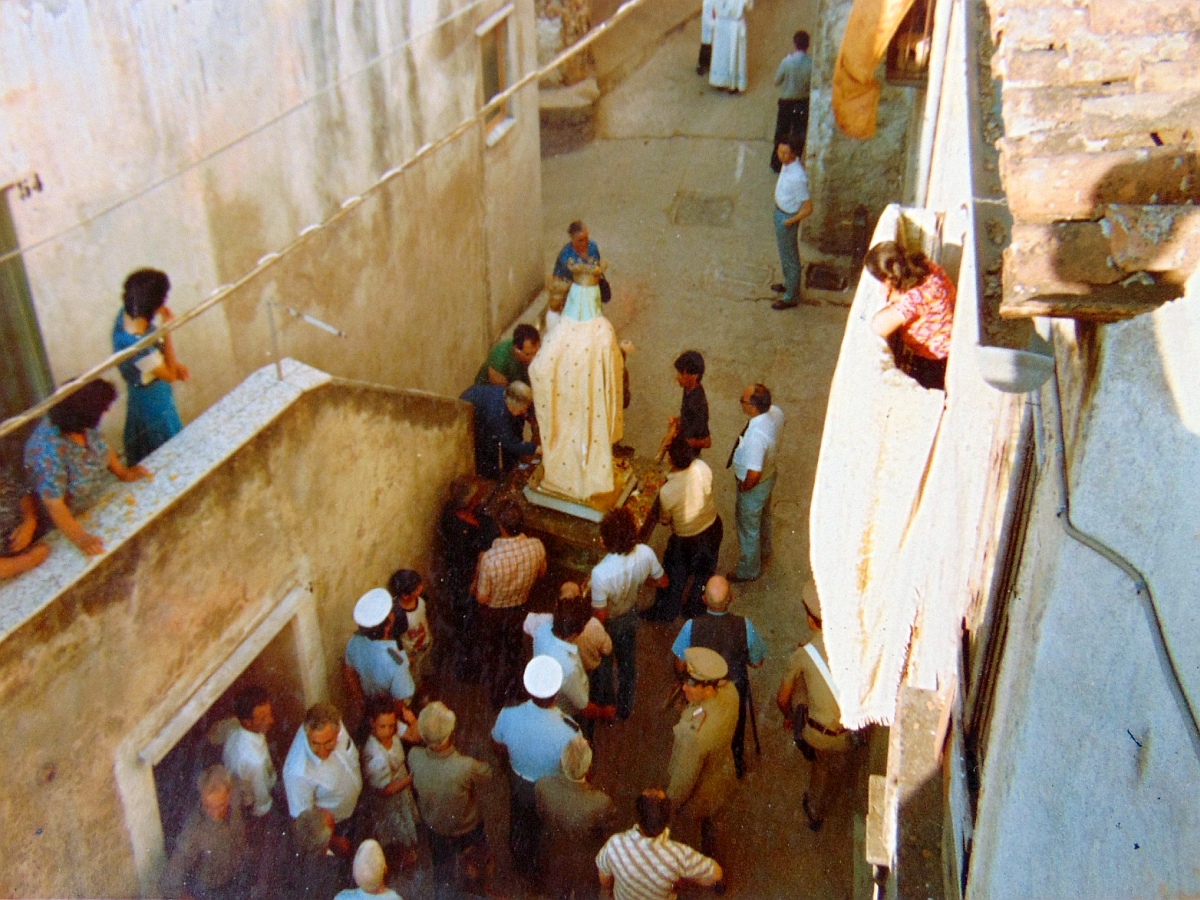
point(753, 464)
point(615, 583)
point(792, 206)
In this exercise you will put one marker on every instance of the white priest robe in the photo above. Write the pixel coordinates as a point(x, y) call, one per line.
point(729, 44)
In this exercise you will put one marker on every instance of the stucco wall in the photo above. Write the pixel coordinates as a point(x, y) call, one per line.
point(340, 489)
point(222, 130)
point(1091, 780)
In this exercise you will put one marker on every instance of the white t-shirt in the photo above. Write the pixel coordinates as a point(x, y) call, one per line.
point(791, 190)
point(616, 579)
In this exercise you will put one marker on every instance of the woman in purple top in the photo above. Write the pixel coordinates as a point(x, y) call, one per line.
point(67, 460)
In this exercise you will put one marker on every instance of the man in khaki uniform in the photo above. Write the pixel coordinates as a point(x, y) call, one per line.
point(810, 708)
point(701, 771)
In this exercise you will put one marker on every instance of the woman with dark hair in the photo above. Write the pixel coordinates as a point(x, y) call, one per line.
point(151, 418)
point(919, 314)
point(66, 458)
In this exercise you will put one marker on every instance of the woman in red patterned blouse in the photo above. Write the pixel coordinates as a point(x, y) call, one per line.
point(919, 313)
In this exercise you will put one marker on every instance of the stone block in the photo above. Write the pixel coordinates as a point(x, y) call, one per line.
point(1095, 58)
point(1065, 270)
point(1045, 26)
point(1153, 238)
point(1075, 252)
point(1028, 68)
point(1078, 185)
point(1143, 16)
point(1138, 111)
point(1170, 75)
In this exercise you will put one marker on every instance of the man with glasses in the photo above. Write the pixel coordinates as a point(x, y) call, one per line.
point(753, 464)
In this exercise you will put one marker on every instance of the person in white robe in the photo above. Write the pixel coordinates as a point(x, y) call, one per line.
point(729, 44)
point(577, 381)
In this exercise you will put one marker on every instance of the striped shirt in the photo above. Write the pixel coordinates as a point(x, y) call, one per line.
point(508, 570)
point(645, 868)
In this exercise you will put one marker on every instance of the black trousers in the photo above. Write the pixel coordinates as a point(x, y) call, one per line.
point(704, 63)
point(928, 373)
point(524, 826)
point(791, 123)
point(689, 562)
point(739, 731)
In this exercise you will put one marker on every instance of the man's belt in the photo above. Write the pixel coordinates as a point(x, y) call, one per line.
point(828, 732)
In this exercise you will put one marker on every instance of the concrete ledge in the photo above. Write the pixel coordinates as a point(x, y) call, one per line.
point(568, 116)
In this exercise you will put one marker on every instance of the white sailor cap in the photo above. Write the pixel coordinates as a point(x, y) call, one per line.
point(543, 677)
point(372, 608)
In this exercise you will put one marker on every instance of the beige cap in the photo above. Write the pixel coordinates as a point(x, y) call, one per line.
point(543, 677)
point(436, 723)
point(704, 664)
point(372, 608)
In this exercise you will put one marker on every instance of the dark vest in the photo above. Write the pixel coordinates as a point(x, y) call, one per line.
point(727, 635)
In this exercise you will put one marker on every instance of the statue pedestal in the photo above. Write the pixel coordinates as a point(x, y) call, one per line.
point(572, 540)
point(595, 507)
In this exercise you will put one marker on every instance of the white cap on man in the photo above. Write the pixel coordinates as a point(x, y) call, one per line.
point(543, 677)
point(373, 608)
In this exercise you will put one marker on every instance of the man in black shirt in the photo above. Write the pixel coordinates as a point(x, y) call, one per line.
point(692, 422)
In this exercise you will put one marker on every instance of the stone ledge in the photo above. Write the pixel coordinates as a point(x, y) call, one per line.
point(1045, 189)
point(568, 116)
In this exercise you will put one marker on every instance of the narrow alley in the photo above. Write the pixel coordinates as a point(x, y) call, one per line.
point(677, 192)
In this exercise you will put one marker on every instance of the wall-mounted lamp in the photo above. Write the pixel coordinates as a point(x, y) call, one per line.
point(1016, 371)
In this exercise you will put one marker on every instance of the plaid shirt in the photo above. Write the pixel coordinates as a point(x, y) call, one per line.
point(508, 570)
point(645, 868)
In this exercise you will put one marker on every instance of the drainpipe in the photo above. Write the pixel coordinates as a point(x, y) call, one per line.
point(1141, 586)
point(933, 97)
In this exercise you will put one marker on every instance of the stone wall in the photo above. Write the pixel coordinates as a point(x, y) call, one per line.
point(218, 133)
point(844, 173)
point(335, 491)
point(560, 23)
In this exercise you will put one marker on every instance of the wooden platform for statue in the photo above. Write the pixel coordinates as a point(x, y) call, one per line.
point(573, 542)
point(595, 507)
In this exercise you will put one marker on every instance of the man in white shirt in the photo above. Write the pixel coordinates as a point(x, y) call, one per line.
point(686, 500)
point(615, 583)
point(792, 206)
point(246, 754)
point(753, 464)
point(322, 771)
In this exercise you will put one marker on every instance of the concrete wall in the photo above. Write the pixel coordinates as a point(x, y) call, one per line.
point(335, 492)
point(1092, 776)
point(223, 129)
point(844, 173)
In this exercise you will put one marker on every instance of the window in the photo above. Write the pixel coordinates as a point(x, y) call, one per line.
point(496, 64)
point(908, 52)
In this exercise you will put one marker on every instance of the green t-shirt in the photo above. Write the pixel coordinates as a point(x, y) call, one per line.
point(505, 362)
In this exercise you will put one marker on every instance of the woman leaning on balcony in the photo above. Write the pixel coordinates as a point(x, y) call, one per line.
point(67, 459)
point(918, 316)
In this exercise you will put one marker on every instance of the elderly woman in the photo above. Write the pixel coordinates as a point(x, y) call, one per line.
point(67, 460)
point(917, 319)
point(151, 418)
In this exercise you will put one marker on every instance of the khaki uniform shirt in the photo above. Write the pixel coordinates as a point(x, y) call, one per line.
point(810, 689)
point(701, 770)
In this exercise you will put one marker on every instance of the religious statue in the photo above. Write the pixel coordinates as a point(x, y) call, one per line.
point(577, 380)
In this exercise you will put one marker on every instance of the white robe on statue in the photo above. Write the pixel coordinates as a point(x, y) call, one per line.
point(578, 391)
point(729, 45)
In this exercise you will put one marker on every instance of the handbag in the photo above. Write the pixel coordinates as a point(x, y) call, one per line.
point(605, 290)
